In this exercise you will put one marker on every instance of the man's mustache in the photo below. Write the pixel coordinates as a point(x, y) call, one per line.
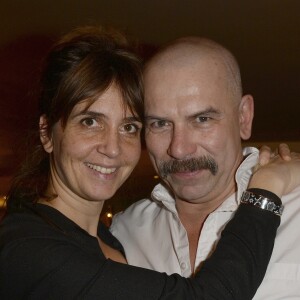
point(188, 165)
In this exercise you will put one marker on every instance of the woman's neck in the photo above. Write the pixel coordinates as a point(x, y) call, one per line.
point(84, 213)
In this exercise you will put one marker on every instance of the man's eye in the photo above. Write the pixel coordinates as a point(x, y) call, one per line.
point(202, 119)
point(159, 124)
point(89, 122)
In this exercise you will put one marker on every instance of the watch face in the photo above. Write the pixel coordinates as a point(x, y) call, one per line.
point(271, 206)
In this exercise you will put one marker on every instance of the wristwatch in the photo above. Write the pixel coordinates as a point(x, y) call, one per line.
point(261, 202)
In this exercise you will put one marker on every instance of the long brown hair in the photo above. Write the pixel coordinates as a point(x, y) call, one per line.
point(82, 65)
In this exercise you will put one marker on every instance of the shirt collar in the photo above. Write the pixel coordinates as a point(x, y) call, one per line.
point(162, 195)
point(245, 170)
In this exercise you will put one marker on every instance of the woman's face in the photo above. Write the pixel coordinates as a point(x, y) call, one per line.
point(98, 148)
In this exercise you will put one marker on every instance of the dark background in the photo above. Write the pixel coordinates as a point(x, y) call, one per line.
point(264, 35)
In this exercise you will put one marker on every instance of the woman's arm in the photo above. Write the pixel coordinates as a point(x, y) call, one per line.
point(54, 265)
point(234, 271)
point(238, 265)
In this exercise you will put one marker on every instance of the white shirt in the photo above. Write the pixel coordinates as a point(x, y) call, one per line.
point(153, 236)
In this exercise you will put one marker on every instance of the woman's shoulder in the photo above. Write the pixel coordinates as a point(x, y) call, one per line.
point(32, 222)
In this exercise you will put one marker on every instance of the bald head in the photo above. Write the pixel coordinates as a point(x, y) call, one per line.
point(195, 118)
point(194, 52)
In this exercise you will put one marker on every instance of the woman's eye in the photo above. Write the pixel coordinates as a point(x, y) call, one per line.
point(131, 128)
point(89, 122)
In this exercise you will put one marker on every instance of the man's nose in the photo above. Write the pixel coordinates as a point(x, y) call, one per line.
point(182, 144)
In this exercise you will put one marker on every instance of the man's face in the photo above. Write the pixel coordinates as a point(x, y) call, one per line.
point(193, 128)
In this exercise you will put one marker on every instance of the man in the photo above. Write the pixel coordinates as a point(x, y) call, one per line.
point(196, 117)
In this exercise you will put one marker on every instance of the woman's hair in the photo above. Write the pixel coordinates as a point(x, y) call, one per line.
point(82, 65)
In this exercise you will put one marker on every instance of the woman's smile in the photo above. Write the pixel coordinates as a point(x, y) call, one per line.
point(102, 170)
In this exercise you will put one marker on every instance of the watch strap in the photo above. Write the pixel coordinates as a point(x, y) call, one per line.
point(262, 202)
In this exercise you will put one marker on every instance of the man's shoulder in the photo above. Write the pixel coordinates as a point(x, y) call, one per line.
point(291, 201)
point(139, 215)
point(292, 197)
point(290, 222)
point(137, 212)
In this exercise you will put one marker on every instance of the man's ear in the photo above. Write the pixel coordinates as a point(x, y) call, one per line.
point(246, 114)
point(45, 137)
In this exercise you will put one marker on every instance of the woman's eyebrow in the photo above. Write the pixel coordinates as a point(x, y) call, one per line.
point(90, 113)
point(132, 119)
point(94, 114)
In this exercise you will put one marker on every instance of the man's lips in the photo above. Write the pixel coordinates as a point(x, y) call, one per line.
point(187, 173)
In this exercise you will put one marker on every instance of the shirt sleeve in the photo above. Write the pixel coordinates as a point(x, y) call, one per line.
point(41, 268)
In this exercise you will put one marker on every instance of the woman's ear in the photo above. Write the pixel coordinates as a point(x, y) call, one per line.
point(45, 138)
point(246, 113)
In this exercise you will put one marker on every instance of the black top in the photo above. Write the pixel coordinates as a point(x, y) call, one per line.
point(44, 255)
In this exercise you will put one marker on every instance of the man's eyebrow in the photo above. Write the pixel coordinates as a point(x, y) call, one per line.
point(147, 118)
point(208, 111)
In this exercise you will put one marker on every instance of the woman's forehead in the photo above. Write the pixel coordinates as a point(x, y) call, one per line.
point(106, 103)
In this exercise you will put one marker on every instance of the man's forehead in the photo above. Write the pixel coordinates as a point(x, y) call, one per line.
point(186, 80)
point(186, 96)
point(185, 68)
point(183, 103)
point(206, 82)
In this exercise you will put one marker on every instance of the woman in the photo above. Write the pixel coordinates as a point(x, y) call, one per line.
point(52, 244)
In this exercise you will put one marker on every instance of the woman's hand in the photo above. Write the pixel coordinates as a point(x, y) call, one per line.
point(265, 153)
point(279, 176)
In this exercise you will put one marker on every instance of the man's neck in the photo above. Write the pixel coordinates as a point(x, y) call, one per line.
point(193, 216)
point(201, 208)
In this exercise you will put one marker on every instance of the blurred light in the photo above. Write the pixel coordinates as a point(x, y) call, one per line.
point(2, 201)
point(155, 176)
point(109, 215)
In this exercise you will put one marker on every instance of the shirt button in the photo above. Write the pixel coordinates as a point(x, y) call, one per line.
point(183, 266)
